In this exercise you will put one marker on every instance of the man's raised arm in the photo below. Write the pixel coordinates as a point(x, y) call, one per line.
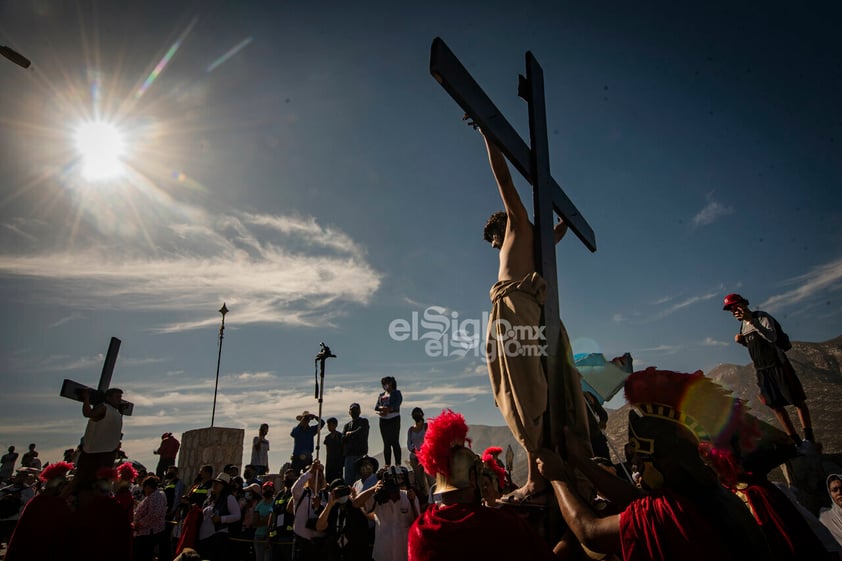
point(511, 200)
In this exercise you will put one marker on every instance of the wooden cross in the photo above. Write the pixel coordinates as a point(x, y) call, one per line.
point(73, 390)
point(533, 163)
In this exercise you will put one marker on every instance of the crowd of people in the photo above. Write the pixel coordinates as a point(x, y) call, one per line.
point(445, 502)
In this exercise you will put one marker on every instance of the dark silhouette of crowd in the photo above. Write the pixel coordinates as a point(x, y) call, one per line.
point(342, 505)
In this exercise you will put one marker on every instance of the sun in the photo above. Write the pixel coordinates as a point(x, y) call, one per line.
point(101, 147)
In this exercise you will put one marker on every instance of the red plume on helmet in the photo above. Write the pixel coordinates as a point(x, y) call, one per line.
point(445, 431)
point(52, 471)
point(488, 458)
point(711, 412)
point(126, 471)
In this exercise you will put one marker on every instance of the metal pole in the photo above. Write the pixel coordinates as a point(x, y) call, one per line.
point(323, 355)
point(223, 310)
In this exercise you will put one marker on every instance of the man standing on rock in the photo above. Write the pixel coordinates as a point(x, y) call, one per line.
point(776, 378)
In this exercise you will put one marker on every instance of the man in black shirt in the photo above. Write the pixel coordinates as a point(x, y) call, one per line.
point(354, 442)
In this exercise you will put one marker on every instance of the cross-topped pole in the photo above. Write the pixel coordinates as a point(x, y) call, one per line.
point(73, 390)
point(533, 164)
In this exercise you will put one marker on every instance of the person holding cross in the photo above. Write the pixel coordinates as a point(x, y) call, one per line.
point(515, 341)
point(102, 436)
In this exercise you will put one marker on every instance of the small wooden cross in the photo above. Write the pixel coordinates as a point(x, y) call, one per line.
point(73, 390)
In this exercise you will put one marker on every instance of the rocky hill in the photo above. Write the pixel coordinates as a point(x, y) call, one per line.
point(819, 366)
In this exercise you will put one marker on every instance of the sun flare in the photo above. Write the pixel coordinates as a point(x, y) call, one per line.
point(101, 146)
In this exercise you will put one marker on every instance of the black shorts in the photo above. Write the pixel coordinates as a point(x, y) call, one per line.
point(780, 386)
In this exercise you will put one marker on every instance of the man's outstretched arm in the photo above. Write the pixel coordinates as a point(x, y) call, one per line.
point(511, 200)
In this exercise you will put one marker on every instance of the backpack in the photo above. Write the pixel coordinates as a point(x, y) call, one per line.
point(782, 340)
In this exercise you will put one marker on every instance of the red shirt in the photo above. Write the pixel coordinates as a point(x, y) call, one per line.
point(169, 447)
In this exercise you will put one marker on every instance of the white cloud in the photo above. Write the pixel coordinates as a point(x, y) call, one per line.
point(826, 277)
point(710, 213)
point(268, 269)
point(711, 342)
point(685, 303)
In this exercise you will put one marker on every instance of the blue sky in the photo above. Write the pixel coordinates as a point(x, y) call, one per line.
point(298, 162)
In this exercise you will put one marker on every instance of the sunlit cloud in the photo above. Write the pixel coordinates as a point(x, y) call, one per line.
point(686, 302)
point(711, 342)
point(66, 319)
point(268, 269)
point(822, 278)
point(711, 213)
point(667, 349)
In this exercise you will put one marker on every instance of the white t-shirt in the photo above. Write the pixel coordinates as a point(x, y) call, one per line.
point(104, 435)
point(260, 452)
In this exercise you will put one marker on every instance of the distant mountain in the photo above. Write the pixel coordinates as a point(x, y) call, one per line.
point(819, 367)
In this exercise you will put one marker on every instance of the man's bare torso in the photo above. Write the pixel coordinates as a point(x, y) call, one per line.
point(517, 252)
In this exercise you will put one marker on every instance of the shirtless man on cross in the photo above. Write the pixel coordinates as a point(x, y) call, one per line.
point(515, 341)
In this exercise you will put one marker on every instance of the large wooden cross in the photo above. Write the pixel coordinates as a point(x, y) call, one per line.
point(73, 390)
point(533, 163)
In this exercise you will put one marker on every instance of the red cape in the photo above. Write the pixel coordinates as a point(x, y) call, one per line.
point(788, 534)
point(42, 531)
point(460, 532)
point(667, 527)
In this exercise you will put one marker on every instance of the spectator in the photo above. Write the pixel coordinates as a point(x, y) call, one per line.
point(280, 524)
point(414, 441)
point(30, 459)
point(367, 468)
point(174, 490)
point(394, 511)
point(262, 513)
point(260, 451)
point(334, 459)
point(220, 510)
point(168, 450)
point(307, 542)
point(149, 520)
point(8, 464)
point(244, 529)
point(832, 517)
point(388, 407)
point(354, 442)
point(779, 384)
point(201, 489)
point(303, 434)
point(345, 525)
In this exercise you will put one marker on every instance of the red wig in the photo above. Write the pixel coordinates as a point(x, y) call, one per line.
point(52, 471)
point(443, 433)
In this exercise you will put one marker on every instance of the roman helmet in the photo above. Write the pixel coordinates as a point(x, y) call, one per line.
point(445, 456)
